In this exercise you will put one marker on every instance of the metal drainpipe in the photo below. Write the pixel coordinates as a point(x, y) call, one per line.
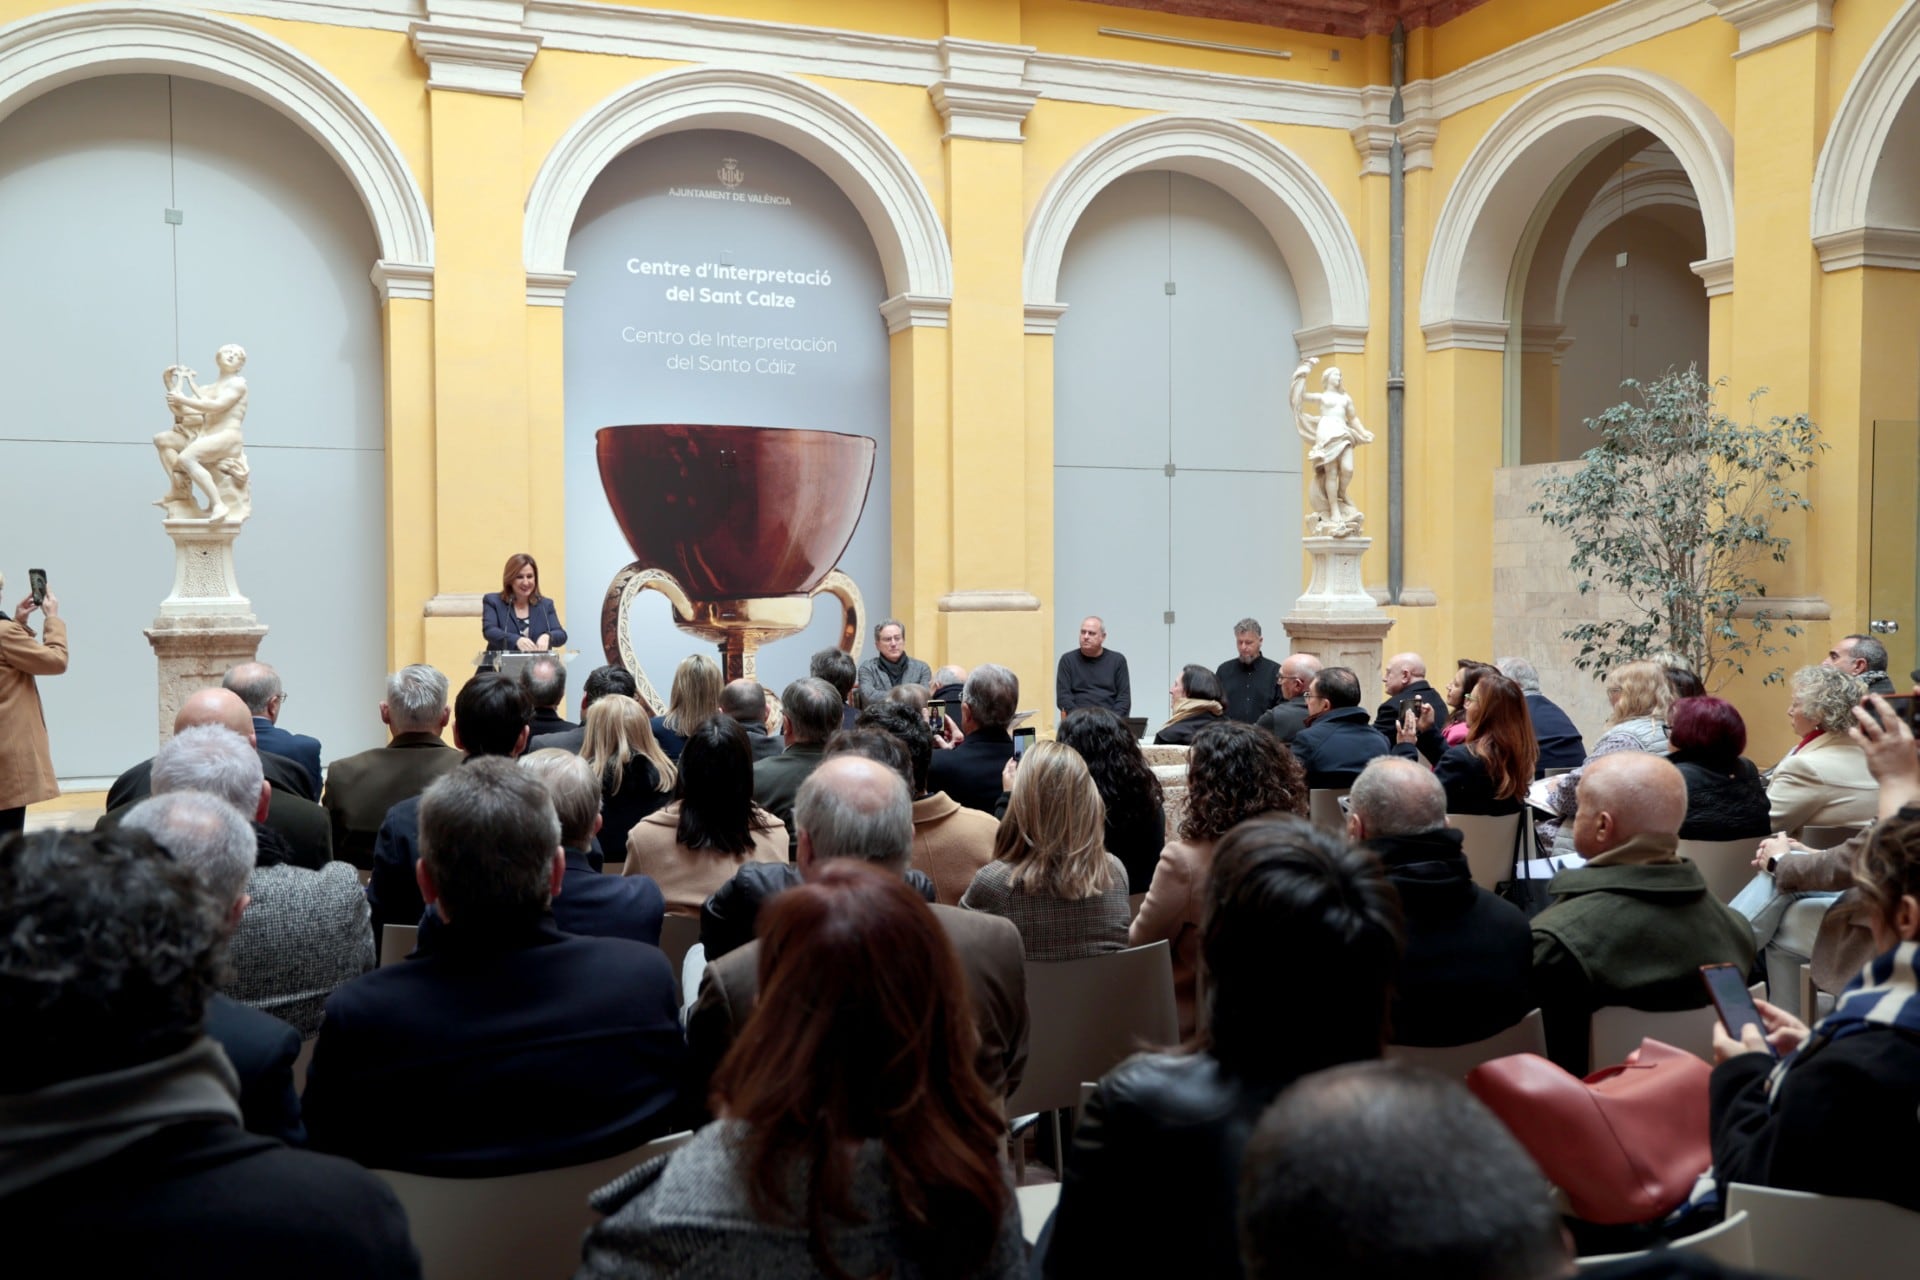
point(1396, 326)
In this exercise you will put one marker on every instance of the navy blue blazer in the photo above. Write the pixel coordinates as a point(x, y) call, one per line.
point(970, 773)
point(594, 905)
point(262, 1049)
point(1560, 743)
point(1336, 747)
point(297, 747)
point(497, 1051)
point(392, 892)
point(502, 629)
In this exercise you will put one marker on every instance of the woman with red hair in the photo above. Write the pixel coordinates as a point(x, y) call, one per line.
point(1725, 798)
point(853, 1138)
point(1490, 772)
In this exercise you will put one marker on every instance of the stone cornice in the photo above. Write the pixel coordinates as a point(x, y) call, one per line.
point(1765, 23)
point(397, 280)
point(473, 59)
point(914, 311)
point(981, 93)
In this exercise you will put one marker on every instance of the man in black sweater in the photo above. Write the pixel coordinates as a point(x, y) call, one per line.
point(1093, 675)
point(1251, 682)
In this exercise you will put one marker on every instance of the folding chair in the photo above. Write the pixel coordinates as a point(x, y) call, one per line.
point(1617, 1030)
point(397, 942)
point(1808, 1237)
point(1489, 844)
point(1529, 1035)
point(1726, 865)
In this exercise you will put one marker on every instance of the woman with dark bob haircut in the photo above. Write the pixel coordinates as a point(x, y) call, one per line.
point(694, 845)
point(1726, 800)
point(854, 1138)
point(1490, 772)
point(1234, 772)
point(1136, 816)
point(1302, 938)
point(1197, 701)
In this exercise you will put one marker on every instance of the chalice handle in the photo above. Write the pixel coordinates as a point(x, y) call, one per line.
point(853, 610)
point(615, 638)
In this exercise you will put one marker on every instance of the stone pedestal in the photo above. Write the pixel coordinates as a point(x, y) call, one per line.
point(205, 625)
point(1336, 619)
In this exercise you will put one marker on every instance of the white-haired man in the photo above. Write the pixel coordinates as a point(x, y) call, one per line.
point(1561, 746)
point(258, 685)
point(361, 788)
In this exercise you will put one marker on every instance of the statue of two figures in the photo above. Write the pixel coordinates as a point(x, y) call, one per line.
point(202, 450)
point(1330, 426)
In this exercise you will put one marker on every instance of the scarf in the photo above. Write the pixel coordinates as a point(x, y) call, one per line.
point(76, 1124)
point(896, 669)
point(1885, 994)
point(1188, 708)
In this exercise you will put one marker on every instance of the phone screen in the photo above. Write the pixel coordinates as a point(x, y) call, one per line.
point(37, 582)
point(1022, 738)
point(1728, 987)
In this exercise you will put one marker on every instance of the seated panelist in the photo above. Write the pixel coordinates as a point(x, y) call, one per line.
point(520, 619)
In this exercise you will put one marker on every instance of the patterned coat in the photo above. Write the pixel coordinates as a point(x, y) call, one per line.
point(303, 934)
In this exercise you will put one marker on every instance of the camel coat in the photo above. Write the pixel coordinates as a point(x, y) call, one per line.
point(951, 843)
point(26, 762)
point(1824, 783)
point(688, 877)
point(1171, 910)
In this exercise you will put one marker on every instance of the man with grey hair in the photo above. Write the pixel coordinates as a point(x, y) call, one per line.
point(361, 788)
point(258, 685)
point(1251, 682)
point(589, 903)
point(1865, 659)
point(970, 773)
point(502, 1045)
point(304, 931)
point(546, 681)
point(208, 835)
point(949, 686)
point(812, 713)
point(890, 667)
point(1561, 746)
point(1289, 716)
point(855, 807)
point(1469, 957)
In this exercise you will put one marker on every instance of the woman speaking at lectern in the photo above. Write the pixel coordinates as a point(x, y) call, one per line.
point(520, 619)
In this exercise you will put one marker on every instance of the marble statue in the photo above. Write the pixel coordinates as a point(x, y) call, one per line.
point(202, 451)
point(1331, 433)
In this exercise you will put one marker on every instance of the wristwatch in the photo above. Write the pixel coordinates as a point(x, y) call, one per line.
point(1771, 864)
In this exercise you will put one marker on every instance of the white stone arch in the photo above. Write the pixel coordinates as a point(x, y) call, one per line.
point(1846, 214)
point(1296, 208)
point(825, 130)
point(42, 53)
point(1463, 300)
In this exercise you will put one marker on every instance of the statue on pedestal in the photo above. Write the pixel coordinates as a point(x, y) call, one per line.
point(202, 451)
point(1331, 434)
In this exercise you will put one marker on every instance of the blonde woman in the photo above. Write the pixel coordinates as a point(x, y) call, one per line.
point(1051, 873)
point(1639, 695)
point(635, 776)
point(695, 696)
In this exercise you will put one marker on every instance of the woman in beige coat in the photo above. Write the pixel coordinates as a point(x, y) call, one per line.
point(1823, 781)
point(26, 763)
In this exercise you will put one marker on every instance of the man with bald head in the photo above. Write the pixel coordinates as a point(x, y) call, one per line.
point(1289, 715)
point(1093, 675)
point(1635, 923)
point(258, 685)
point(1406, 679)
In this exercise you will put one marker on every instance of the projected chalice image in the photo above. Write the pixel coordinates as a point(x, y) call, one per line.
point(739, 527)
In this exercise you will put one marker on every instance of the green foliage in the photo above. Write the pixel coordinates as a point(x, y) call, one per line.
point(1674, 509)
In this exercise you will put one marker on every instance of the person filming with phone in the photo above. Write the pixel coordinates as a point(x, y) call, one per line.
point(26, 762)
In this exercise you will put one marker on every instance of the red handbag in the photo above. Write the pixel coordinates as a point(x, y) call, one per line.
point(1625, 1145)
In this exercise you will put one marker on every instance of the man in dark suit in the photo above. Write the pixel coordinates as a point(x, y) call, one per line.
point(589, 903)
point(746, 702)
point(1406, 678)
point(1338, 740)
point(1561, 746)
point(502, 1045)
point(258, 685)
point(361, 788)
point(290, 810)
point(837, 669)
point(970, 773)
point(546, 681)
point(855, 807)
point(600, 682)
point(812, 711)
point(1297, 671)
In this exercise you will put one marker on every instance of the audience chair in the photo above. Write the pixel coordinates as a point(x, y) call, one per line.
point(1489, 844)
point(1822, 837)
point(1036, 1205)
point(1726, 865)
point(1617, 1030)
point(396, 942)
point(1323, 806)
point(677, 936)
point(1529, 1035)
point(1730, 1244)
point(1808, 1237)
point(1815, 1004)
point(1557, 773)
point(523, 1227)
point(365, 874)
point(305, 1060)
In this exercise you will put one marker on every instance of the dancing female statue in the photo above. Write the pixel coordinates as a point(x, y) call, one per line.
point(1330, 434)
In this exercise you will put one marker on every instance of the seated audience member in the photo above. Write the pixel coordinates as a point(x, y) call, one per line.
point(836, 667)
point(491, 716)
point(208, 835)
point(600, 682)
point(1466, 674)
point(1725, 798)
point(746, 701)
point(949, 685)
point(856, 1138)
point(1823, 780)
point(361, 788)
point(1233, 774)
point(1249, 682)
point(695, 844)
point(857, 808)
point(1843, 1117)
point(1490, 771)
point(121, 1151)
point(302, 932)
point(1380, 1171)
point(1468, 969)
point(1633, 926)
point(1639, 697)
point(1405, 681)
point(258, 685)
point(1289, 716)
point(1161, 1139)
point(970, 773)
point(1332, 749)
point(890, 667)
point(634, 774)
point(1197, 701)
point(1136, 811)
point(1681, 679)
point(1865, 659)
point(812, 715)
point(1051, 873)
point(588, 903)
point(694, 696)
point(291, 810)
point(502, 1045)
point(950, 842)
point(1561, 746)
point(546, 681)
